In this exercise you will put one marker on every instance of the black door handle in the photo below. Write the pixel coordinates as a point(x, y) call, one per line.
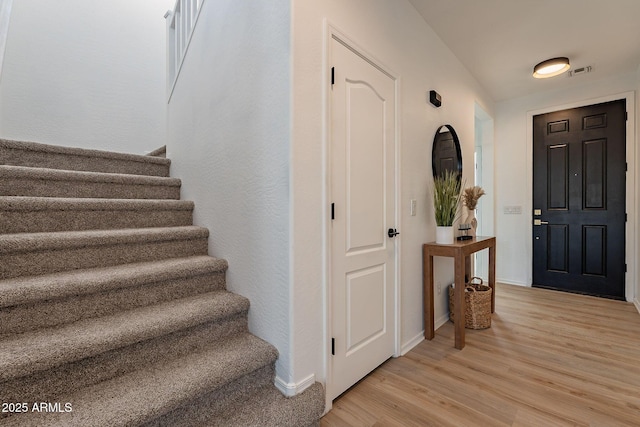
point(392, 233)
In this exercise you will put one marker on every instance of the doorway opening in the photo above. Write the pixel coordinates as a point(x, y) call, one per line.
point(483, 177)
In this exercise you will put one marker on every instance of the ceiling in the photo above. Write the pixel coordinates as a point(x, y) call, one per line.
point(500, 41)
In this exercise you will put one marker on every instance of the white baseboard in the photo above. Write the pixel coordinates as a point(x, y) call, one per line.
point(441, 321)
point(407, 347)
point(291, 389)
point(636, 302)
point(512, 282)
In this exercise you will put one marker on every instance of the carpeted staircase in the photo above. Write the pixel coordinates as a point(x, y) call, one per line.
point(111, 311)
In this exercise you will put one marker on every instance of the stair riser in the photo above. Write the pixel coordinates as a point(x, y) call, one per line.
point(78, 220)
point(25, 186)
point(139, 341)
point(203, 411)
point(42, 159)
point(51, 384)
point(52, 261)
point(28, 317)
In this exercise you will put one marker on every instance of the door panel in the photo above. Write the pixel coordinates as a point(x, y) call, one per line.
point(365, 145)
point(595, 178)
point(558, 248)
point(595, 254)
point(579, 191)
point(558, 192)
point(363, 262)
point(365, 287)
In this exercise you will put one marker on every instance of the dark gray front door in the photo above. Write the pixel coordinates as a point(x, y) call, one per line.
point(579, 168)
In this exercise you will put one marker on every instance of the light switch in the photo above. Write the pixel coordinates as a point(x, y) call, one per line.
point(413, 207)
point(512, 210)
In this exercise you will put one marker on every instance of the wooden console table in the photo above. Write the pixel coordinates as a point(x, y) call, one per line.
point(461, 251)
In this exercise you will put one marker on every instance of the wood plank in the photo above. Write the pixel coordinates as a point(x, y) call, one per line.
point(550, 358)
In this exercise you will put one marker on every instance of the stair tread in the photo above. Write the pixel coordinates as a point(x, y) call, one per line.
point(149, 346)
point(35, 351)
point(47, 148)
point(24, 242)
point(143, 395)
point(9, 171)
point(158, 152)
point(28, 203)
point(30, 289)
point(268, 407)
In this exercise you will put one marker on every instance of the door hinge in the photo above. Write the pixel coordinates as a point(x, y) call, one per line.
point(626, 167)
point(625, 268)
point(333, 346)
point(625, 217)
point(333, 75)
point(333, 211)
point(626, 116)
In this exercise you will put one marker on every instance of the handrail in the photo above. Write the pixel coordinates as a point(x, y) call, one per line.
point(181, 22)
point(5, 14)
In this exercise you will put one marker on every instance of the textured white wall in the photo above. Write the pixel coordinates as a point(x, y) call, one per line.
point(228, 137)
point(86, 73)
point(5, 14)
point(513, 170)
point(393, 33)
point(636, 261)
point(246, 133)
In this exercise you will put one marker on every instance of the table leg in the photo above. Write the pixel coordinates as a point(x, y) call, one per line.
point(427, 280)
point(459, 302)
point(492, 276)
point(467, 269)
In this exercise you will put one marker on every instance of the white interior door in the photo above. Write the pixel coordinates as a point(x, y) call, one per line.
point(363, 256)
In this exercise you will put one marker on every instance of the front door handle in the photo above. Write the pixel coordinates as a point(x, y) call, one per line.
point(392, 233)
point(538, 222)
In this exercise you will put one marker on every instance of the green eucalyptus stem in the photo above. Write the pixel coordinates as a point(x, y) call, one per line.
point(446, 198)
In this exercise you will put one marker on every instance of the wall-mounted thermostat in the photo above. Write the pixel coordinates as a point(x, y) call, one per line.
point(435, 98)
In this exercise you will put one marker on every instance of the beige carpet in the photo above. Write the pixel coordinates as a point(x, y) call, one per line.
point(111, 311)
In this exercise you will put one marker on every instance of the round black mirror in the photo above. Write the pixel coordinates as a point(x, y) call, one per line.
point(446, 154)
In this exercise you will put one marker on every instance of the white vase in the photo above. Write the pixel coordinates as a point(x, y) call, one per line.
point(472, 221)
point(444, 235)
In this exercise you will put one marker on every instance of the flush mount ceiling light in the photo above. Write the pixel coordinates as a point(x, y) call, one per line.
point(551, 67)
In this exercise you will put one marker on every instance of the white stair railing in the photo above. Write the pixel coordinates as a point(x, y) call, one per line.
point(5, 13)
point(180, 24)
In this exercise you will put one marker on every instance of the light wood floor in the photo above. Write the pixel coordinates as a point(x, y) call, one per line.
point(549, 359)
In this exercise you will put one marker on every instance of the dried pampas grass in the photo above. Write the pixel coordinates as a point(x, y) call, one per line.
point(471, 195)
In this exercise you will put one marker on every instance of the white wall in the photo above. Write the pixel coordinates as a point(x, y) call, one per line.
point(637, 203)
point(86, 73)
point(246, 134)
point(229, 137)
point(5, 14)
point(513, 169)
point(393, 33)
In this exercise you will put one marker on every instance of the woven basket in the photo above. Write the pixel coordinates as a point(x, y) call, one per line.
point(477, 297)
